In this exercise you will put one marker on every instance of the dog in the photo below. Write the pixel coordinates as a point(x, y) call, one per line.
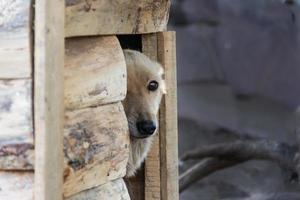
point(145, 88)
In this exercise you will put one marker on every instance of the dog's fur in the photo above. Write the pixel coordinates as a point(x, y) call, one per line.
point(140, 103)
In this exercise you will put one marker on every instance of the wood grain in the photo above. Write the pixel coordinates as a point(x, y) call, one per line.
point(16, 185)
point(114, 190)
point(101, 17)
point(152, 163)
point(17, 156)
point(95, 72)
point(136, 185)
point(15, 39)
point(49, 98)
point(96, 147)
point(168, 119)
point(15, 112)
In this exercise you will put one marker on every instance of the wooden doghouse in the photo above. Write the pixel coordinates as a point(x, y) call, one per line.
point(64, 133)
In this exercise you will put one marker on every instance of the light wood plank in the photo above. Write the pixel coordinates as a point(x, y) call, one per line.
point(114, 190)
point(95, 72)
point(49, 98)
point(152, 163)
point(16, 185)
point(168, 118)
point(96, 147)
point(15, 39)
point(16, 112)
point(101, 17)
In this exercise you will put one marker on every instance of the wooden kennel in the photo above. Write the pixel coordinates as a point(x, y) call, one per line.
point(64, 133)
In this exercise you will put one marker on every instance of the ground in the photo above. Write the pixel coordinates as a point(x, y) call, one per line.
point(237, 70)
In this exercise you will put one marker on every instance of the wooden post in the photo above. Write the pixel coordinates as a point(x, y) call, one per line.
point(49, 98)
point(152, 163)
point(168, 118)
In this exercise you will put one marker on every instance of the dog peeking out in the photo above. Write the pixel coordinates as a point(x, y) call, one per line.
point(145, 87)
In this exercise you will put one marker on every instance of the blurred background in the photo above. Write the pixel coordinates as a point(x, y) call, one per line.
point(238, 77)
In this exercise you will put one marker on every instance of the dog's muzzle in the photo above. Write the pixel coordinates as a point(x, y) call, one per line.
point(146, 128)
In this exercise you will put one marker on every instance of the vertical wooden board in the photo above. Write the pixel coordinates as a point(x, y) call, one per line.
point(96, 147)
point(49, 98)
point(152, 162)
point(15, 112)
point(95, 72)
point(105, 17)
point(168, 119)
point(113, 190)
point(16, 185)
point(136, 185)
point(15, 38)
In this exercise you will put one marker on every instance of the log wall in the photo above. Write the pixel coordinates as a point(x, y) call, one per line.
point(73, 103)
point(16, 116)
point(96, 137)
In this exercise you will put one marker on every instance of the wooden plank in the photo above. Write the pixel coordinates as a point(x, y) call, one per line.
point(87, 17)
point(15, 112)
point(15, 39)
point(16, 137)
point(168, 119)
point(49, 98)
point(114, 190)
point(96, 147)
point(152, 163)
point(16, 185)
point(136, 185)
point(95, 72)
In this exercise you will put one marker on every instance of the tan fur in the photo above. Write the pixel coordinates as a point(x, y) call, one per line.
point(140, 103)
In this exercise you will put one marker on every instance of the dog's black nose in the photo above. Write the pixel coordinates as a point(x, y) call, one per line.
point(146, 127)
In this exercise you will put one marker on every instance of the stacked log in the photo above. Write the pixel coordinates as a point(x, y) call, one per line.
point(16, 118)
point(96, 137)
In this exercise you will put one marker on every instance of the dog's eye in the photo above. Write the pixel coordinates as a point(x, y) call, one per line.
point(152, 86)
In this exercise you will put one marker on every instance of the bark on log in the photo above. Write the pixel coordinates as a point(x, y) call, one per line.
point(115, 190)
point(17, 156)
point(15, 29)
point(95, 146)
point(101, 17)
point(95, 72)
point(16, 185)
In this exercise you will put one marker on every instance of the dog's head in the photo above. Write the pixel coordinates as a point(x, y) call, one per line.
point(145, 87)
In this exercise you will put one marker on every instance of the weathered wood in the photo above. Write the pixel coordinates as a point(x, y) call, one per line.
point(96, 147)
point(49, 98)
point(95, 72)
point(152, 163)
point(16, 136)
point(17, 156)
point(15, 41)
point(16, 185)
point(114, 190)
point(136, 185)
point(168, 119)
point(87, 17)
point(15, 112)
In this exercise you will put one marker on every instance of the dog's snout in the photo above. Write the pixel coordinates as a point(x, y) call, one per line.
point(146, 127)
